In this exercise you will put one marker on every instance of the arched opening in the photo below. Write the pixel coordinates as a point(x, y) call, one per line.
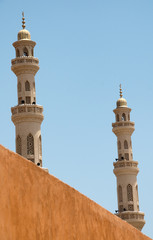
point(32, 52)
point(125, 144)
point(20, 100)
point(137, 193)
point(30, 144)
point(25, 52)
point(119, 145)
point(129, 117)
point(120, 195)
point(130, 207)
point(28, 100)
point(27, 86)
point(117, 118)
point(18, 145)
point(17, 53)
point(123, 117)
point(40, 146)
point(129, 192)
point(127, 156)
point(19, 87)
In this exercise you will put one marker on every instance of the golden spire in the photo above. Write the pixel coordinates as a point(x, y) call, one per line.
point(121, 95)
point(23, 20)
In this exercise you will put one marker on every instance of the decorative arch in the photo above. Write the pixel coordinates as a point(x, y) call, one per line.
point(123, 117)
point(137, 192)
point(120, 195)
point(126, 156)
point(117, 118)
point(19, 87)
point(18, 145)
point(17, 53)
point(40, 146)
point(129, 192)
point(27, 86)
point(25, 52)
point(30, 144)
point(125, 144)
point(119, 145)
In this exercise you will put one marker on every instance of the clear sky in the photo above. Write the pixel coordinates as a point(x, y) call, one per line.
point(86, 49)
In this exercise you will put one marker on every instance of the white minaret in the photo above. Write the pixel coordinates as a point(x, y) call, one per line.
point(125, 168)
point(27, 116)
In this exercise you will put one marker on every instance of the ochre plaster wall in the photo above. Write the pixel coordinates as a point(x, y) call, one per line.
point(36, 206)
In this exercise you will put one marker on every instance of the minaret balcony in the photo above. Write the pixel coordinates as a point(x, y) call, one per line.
point(125, 167)
point(21, 64)
point(25, 112)
point(136, 219)
point(123, 126)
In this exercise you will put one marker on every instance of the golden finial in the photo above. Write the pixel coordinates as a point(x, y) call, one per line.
point(121, 95)
point(23, 20)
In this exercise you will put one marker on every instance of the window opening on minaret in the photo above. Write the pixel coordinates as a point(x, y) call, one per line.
point(117, 117)
point(30, 144)
point(125, 144)
point(40, 146)
point(18, 145)
point(19, 87)
point(129, 192)
point(129, 117)
point(130, 207)
point(27, 86)
point(17, 53)
point(28, 100)
point(25, 52)
point(32, 51)
point(137, 193)
point(126, 156)
point(20, 100)
point(120, 196)
point(123, 117)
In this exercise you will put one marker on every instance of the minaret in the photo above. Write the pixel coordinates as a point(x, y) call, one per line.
point(27, 116)
point(125, 168)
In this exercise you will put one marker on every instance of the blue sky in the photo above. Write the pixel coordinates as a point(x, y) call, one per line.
point(86, 49)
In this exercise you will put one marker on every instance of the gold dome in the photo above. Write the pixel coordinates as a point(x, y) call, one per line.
point(121, 102)
point(24, 34)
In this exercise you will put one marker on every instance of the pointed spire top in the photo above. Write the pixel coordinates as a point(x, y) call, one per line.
point(23, 20)
point(121, 95)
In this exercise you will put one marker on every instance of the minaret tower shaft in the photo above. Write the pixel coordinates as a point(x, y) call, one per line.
point(125, 168)
point(27, 116)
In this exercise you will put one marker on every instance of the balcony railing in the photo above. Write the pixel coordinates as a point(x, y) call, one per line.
point(22, 60)
point(131, 215)
point(123, 124)
point(125, 163)
point(26, 109)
